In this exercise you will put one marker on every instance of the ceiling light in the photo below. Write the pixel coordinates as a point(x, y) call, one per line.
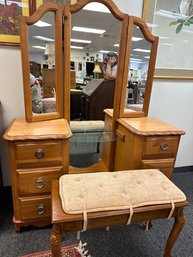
point(116, 45)
point(44, 38)
point(96, 7)
point(105, 51)
point(166, 44)
point(80, 40)
point(147, 57)
point(39, 47)
point(135, 59)
point(170, 14)
point(151, 25)
point(136, 38)
point(88, 30)
point(141, 50)
point(42, 24)
point(76, 47)
point(163, 37)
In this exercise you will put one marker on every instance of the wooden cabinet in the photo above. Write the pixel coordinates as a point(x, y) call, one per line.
point(96, 96)
point(38, 154)
point(144, 143)
point(48, 82)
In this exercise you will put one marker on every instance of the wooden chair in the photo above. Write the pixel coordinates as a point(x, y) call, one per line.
point(64, 222)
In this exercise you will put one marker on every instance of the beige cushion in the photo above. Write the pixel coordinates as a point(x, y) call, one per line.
point(116, 190)
point(87, 125)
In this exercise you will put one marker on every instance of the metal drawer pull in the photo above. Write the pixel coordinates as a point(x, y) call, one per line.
point(40, 209)
point(164, 146)
point(40, 183)
point(39, 153)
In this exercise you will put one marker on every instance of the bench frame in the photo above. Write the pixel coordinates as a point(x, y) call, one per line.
point(63, 222)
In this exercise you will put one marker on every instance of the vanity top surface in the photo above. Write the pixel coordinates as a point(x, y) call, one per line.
point(42, 130)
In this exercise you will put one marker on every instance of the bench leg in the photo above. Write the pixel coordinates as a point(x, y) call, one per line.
point(177, 227)
point(55, 240)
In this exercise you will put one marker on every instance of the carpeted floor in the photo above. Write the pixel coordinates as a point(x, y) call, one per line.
point(119, 241)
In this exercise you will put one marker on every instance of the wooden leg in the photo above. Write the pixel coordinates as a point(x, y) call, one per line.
point(55, 240)
point(177, 227)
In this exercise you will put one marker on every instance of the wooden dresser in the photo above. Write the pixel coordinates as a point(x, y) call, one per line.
point(38, 153)
point(145, 143)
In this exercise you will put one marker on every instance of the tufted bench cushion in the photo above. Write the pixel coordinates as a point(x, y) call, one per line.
point(128, 189)
point(87, 125)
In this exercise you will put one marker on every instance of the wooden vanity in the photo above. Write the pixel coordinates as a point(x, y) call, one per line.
point(38, 153)
point(144, 143)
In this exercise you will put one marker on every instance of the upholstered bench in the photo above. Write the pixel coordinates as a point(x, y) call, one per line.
point(93, 200)
point(86, 128)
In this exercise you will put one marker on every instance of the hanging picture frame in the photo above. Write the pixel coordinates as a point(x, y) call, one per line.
point(172, 22)
point(9, 19)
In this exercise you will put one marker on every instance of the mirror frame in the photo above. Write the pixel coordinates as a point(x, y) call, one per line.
point(133, 20)
point(24, 22)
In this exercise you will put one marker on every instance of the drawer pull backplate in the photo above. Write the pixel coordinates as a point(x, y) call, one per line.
point(39, 153)
point(164, 146)
point(40, 183)
point(40, 209)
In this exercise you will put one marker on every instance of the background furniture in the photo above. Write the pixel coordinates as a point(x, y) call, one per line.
point(96, 96)
point(48, 82)
point(38, 154)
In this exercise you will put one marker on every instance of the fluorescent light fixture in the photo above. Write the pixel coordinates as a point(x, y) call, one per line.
point(166, 44)
point(163, 37)
point(76, 47)
point(39, 47)
point(170, 14)
point(141, 50)
point(104, 51)
point(151, 25)
point(137, 38)
point(42, 24)
point(88, 30)
point(185, 41)
point(135, 59)
point(47, 39)
point(96, 7)
point(147, 57)
point(116, 45)
point(80, 41)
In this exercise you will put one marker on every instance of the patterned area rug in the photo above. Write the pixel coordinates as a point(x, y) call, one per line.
point(76, 250)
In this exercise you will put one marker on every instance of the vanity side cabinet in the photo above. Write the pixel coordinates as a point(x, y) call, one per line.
point(148, 143)
point(38, 154)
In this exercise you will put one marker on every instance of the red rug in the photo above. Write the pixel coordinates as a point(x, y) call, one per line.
point(76, 250)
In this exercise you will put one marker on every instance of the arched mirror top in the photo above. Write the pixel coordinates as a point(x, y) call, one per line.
point(109, 4)
point(42, 64)
point(139, 69)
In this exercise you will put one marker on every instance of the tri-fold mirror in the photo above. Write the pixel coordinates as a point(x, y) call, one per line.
point(61, 45)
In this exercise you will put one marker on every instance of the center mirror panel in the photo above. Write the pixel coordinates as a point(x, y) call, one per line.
point(95, 37)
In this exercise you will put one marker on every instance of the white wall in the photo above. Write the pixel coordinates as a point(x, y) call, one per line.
point(11, 97)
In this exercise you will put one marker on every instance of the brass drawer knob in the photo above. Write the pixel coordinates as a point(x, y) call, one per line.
point(40, 183)
point(164, 146)
point(40, 209)
point(39, 153)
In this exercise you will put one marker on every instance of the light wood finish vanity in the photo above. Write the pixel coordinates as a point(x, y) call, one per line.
point(38, 154)
point(144, 143)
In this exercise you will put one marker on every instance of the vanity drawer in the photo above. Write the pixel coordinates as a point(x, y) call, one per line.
point(37, 207)
point(166, 166)
point(37, 182)
point(40, 154)
point(157, 147)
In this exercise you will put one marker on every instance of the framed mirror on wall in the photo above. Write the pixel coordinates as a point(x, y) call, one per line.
point(40, 35)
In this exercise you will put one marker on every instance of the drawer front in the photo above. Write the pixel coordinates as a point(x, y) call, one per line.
point(166, 166)
point(34, 208)
point(37, 182)
point(160, 147)
point(41, 154)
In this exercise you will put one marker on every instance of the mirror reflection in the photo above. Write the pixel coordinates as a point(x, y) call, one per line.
point(95, 36)
point(137, 71)
point(41, 40)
